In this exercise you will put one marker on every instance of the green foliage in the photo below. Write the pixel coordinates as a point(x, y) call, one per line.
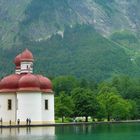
point(88, 84)
point(134, 110)
point(124, 35)
point(118, 99)
point(85, 103)
point(83, 53)
point(63, 106)
point(114, 106)
point(122, 110)
point(127, 87)
point(125, 38)
point(137, 108)
point(130, 42)
point(64, 83)
point(107, 102)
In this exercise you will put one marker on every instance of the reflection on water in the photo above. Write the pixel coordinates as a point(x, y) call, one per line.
point(74, 132)
point(30, 133)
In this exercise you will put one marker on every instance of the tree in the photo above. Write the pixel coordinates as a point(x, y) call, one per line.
point(137, 108)
point(88, 84)
point(64, 83)
point(129, 89)
point(112, 105)
point(122, 110)
point(85, 102)
point(107, 102)
point(63, 105)
point(124, 84)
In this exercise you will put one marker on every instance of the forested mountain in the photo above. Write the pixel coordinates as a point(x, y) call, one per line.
point(91, 39)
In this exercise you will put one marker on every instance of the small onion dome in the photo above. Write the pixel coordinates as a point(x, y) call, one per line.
point(29, 82)
point(9, 83)
point(17, 61)
point(45, 84)
point(27, 56)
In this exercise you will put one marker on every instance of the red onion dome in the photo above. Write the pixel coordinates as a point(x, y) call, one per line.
point(45, 84)
point(27, 56)
point(9, 83)
point(29, 82)
point(17, 61)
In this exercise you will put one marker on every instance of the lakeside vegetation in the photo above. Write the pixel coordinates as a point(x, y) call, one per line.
point(114, 100)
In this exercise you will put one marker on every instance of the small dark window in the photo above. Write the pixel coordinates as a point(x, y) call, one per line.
point(28, 67)
point(9, 104)
point(46, 104)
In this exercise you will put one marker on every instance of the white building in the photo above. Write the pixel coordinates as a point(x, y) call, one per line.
point(25, 95)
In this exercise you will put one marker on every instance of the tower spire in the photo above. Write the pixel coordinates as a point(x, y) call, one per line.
point(26, 61)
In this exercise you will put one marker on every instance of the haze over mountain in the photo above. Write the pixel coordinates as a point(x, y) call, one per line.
point(92, 39)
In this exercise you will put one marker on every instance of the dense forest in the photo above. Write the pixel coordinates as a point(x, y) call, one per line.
point(114, 100)
point(81, 52)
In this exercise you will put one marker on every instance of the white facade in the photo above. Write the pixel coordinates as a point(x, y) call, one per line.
point(32, 105)
point(27, 105)
point(5, 113)
point(48, 115)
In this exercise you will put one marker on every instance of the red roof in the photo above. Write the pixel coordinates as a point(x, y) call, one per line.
point(25, 82)
point(29, 82)
point(45, 83)
point(9, 83)
point(17, 61)
point(27, 56)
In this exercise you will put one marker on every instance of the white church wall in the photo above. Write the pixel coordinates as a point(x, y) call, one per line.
point(26, 67)
point(6, 114)
point(29, 106)
point(48, 114)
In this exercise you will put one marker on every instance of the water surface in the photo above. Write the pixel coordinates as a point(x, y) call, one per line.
point(125, 131)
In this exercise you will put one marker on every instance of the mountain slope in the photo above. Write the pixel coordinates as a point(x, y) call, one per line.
point(77, 37)
point(39, 19)
point(81, 52)
point(105, 15)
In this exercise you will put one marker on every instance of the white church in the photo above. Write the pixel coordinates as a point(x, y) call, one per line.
point(26, 95)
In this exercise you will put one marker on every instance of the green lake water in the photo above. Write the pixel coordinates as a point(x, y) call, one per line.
point(125, 131)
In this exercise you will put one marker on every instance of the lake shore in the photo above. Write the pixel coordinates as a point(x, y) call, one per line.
point(70, 123)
